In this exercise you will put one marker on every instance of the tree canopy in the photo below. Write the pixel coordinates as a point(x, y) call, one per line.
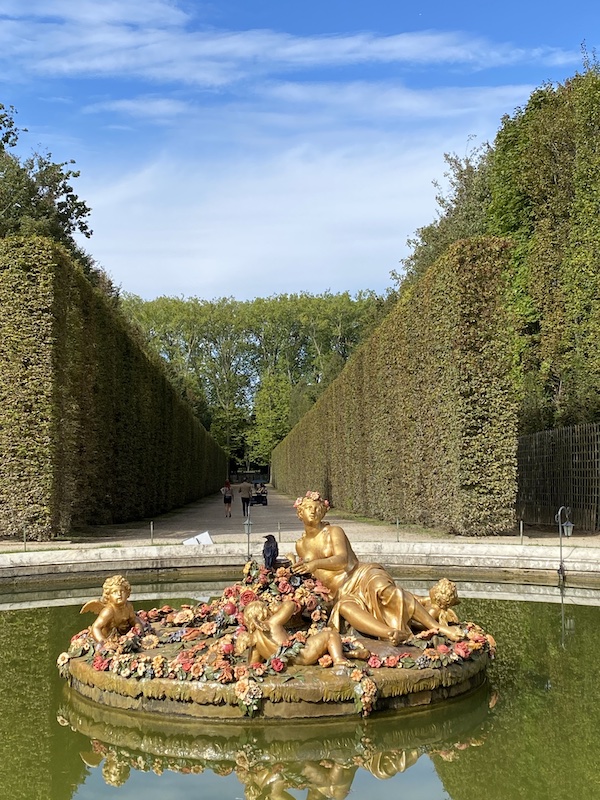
point(37, 197)
point(255, 366)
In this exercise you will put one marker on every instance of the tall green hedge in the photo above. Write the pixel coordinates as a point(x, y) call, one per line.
point(545, 187)
point(91, 430)
point(421, 424)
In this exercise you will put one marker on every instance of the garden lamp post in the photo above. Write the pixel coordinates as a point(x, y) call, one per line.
point(248, 529)
point(564, 527)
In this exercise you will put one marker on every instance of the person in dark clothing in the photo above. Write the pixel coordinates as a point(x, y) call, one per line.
point(227, 493)
point(245, 489)
point(270, 551)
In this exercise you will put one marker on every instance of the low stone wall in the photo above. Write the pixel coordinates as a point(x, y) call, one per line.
point(537, 563)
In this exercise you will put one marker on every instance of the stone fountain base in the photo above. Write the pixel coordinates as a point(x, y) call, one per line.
point(300, 692)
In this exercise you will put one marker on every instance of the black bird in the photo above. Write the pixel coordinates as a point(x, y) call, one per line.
point(270, 551)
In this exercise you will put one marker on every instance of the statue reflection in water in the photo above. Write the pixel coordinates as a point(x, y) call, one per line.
point(326, 779)
point(322, 780)
point(276, 762)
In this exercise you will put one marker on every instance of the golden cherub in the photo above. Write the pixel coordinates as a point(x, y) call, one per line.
point(442, 596)
point(115, 612)
point(266, 632)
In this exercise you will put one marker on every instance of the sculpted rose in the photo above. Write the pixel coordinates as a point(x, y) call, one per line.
point(311, 603)
point(462, 649)
point(247, 596)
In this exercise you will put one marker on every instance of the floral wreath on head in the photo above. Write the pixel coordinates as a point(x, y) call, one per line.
point(311, 496)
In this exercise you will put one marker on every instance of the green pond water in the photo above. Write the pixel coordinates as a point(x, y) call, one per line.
point(533, 732)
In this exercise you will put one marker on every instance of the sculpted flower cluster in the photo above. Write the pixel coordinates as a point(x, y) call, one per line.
point(311, 496)
point(365, 692)
point(249, 695)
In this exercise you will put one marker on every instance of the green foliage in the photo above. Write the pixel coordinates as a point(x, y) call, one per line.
point(538, 185)
point(91, 429)
point(9, 133)
point(462, 212)
point(36, 195)
point(558, 174)
point(259, 363)
point(421, 424)
point(37, 198)
point(271, 417)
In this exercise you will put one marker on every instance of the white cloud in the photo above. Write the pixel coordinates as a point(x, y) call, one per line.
point(337, 115)
point(369, 99)
point(157, 109)
point(156, 41)
point(90, 12)
point(303, 219)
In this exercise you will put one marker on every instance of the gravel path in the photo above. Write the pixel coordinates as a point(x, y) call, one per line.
point(278, 517)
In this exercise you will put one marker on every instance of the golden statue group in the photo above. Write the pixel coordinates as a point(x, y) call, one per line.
point(318, 628)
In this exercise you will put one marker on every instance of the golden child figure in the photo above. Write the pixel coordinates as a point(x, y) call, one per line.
point(115, 612)
point(267, 633)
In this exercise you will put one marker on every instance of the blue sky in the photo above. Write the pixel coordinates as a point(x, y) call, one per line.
point(252, 147)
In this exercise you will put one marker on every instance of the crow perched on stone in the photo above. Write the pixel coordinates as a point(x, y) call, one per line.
point(270, 551)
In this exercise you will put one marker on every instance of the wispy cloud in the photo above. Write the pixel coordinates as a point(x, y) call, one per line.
point(148, 107)
point(384, 99)
point(292, 219)
point(156, 40)
point(323, 213)
point(345, 111)
point(90, 12)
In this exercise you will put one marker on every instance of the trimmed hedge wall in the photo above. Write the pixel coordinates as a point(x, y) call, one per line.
point(91, 430)
point(544, 176)
point(421, 424)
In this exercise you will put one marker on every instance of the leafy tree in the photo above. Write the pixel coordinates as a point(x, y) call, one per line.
point(462, 212)
point(225, 352)
point(537, 185)
point(279, 343)
point(545, 174)
point(257, 362)
point(37, 197)
point(166, 324)
point(9, 133)
point(205, 347)
point(310, 339)
point(271, 418)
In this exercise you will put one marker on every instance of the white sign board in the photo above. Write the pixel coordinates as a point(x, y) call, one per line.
point(199, 538)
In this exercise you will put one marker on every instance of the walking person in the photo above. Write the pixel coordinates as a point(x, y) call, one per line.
point(227, 493)
point(245, 489)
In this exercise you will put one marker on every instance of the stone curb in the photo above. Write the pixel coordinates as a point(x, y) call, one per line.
point(439, 555)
